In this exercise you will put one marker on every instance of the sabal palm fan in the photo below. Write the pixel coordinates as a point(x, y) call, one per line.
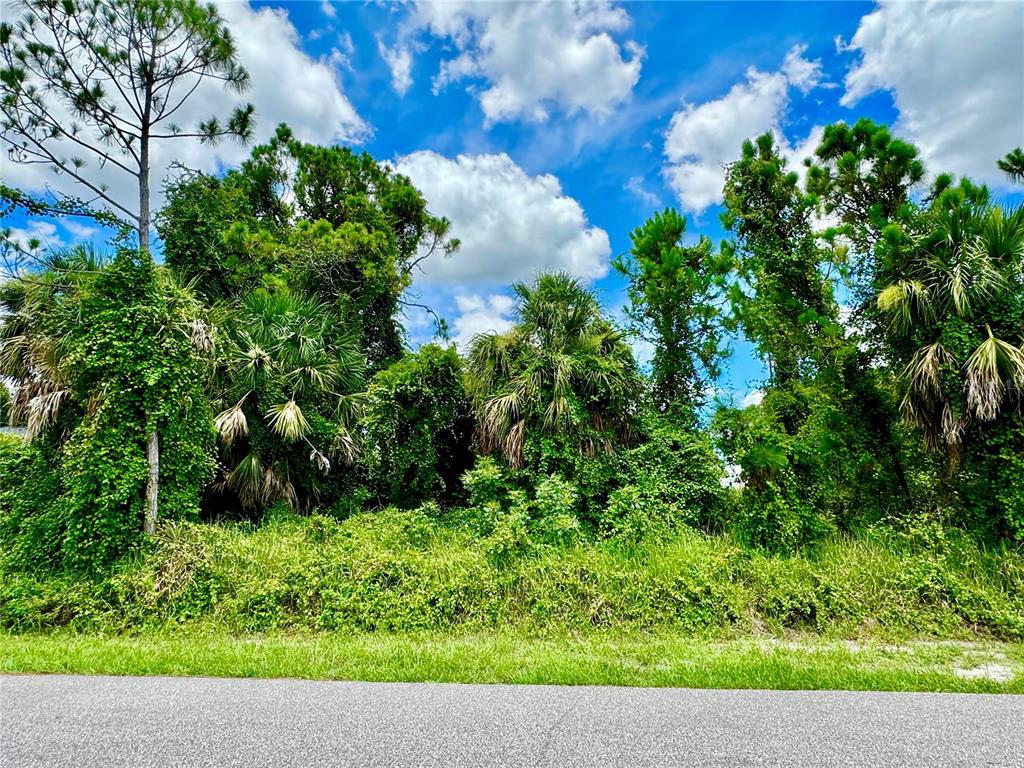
point(966, 265)
point(994, 370)
point(561, 370)
point(290, 368)
point(35, 320)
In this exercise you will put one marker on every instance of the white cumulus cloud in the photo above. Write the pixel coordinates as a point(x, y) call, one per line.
point(399, 61)
point(702, 138)
point(288, 86)
point(480, 314)
point(956, 74)
point(531, 57)
point(37, 233)
point(511, 225)
point(756, 397)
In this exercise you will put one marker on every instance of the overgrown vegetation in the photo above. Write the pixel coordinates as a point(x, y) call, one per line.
point(520, 566)
point(316, 474)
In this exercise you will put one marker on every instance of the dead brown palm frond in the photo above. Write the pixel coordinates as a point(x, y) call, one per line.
point(287, 420)
point(346, 446)
point(993, 369)
point(43, 410)
point(514, 444)
point(277, 485)
point(201, 335)
point(320, 461)
point(924, 371)
point(231, 423)
point(924, 402)
point(952, 425)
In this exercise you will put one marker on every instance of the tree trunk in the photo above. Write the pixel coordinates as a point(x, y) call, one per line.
point(153, 441)
point(153, 483)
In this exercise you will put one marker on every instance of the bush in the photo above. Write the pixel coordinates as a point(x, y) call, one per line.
point(31, 518)
point(678, 470)
point(418, 429)
point(405, 570)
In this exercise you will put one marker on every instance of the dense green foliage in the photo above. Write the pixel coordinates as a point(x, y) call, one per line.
point(402, 571)
point(561, 383)
point(5, 405)
point(330, 223)
point(111, 354)
point(286, 388)
point(675, 305)
point(418, 428)
point(317, 474)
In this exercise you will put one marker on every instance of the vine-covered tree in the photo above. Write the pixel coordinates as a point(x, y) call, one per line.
point(88, 85)
point(675, 303)
point(335, 224)
point(77, 340)
point(784, 298)
point(418, 429)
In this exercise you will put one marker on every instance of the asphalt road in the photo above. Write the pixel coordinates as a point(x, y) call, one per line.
point(160, 722)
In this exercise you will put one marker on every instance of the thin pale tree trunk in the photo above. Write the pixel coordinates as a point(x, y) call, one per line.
point(153, 441)
point(153, 483)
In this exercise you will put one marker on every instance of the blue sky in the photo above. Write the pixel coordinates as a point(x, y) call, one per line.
point(547, 132)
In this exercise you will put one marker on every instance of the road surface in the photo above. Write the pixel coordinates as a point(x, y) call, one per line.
point(160, 722)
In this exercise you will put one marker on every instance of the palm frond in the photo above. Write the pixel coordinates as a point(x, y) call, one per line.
point(994, 367)
point(43, 410)
point(231, 424)
point(902, 301)
point(287, 420)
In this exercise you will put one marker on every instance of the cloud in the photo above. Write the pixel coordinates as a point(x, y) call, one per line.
point(702, 138)
point(511, 225)
point(752, 398)
point(480, 314)
point(399, 61)
point(532, 57)
point(77, 230)
point(328, 9)
point(955, 73)
point(36, 231)
point(636, 186)
point(288, 85)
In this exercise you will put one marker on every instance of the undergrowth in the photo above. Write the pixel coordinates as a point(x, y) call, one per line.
point(412, 571)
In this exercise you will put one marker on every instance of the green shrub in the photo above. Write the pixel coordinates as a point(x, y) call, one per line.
point(633, 513)
point(418, 429)
point(406, 570)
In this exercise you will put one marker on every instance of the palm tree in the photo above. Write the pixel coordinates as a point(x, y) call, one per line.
point(954, 308)
point(562, 370)
point(37, 316)
point(1013, 165)
point(287, 382)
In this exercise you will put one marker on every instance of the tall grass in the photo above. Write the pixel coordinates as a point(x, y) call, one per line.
point(403, 572)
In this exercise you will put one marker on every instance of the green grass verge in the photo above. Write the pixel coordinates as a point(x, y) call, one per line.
point(641, 660)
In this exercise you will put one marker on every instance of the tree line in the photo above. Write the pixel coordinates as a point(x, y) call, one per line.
point(262, 361)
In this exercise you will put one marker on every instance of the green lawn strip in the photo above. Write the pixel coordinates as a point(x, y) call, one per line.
point(655, 660)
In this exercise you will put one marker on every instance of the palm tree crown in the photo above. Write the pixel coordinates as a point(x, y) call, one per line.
point(955, 306)
point(562, 370)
